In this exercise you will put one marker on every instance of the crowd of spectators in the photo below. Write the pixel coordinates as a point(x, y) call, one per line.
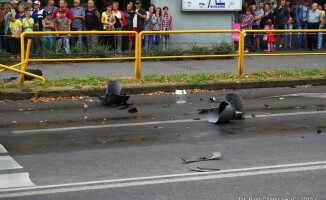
point(19, 16)
point(283, 16)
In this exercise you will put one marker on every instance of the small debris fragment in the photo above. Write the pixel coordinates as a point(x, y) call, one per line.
point(26, 90)
point(122, 107)
point(180, 92)
point(132, 110)
point(320, 109)
point(31, 108)
point(267, 106)
point(319, 131)
point(202, 169)
point(212, 98)
point(194, 158)
point(281, 98)
point(253, 115)
point(196, 118)
point(158, 127)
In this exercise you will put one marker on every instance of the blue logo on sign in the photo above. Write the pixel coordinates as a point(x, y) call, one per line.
point(216, 5)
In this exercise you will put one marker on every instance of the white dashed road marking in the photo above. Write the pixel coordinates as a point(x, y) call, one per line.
point(7, 162)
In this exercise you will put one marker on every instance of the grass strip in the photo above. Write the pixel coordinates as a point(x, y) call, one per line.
point(151, 80)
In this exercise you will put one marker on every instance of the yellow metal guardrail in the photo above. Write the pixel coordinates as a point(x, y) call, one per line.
point(138, 50)
point(23, 65)
point(190, 56)
point(275, 54)
point(83, 33)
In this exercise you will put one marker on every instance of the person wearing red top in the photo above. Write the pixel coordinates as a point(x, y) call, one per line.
point(166, 25)
point(121, 22)
point(62, 6)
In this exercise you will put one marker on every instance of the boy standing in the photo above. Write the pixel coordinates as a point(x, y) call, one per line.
point(28, 24)
point(166, 25)
point(62, 23)
point(16, 30)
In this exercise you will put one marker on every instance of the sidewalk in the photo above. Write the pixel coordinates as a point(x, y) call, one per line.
point(126, 68)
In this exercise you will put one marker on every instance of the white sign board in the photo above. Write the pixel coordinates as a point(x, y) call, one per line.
point(211, 5)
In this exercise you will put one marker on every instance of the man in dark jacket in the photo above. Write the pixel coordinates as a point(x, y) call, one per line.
point(281, 14)
point(138, 19)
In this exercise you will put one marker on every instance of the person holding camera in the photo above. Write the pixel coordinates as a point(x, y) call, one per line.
point(166, 25)
point(138, 21)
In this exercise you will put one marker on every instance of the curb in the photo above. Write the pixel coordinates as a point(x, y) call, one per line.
point(170, 88)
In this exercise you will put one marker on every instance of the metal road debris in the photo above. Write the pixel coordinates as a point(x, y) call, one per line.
point(26, 90)
point(7, 80)
point(33, 71)
point(194, 158)
point(319, 131)
point(230, 109)
point(212, 98)
point(132, 110)
point(113, 97)
point(203, 169)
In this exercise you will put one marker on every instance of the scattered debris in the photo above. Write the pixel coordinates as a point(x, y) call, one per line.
point(132, 110)
point(319, 131)
point(191, 159)
point(205, 110)
point(85, 107)
point(320, 109)
point(224, 113)
point(196, 118)
point(237, 103)
point(180, 92)
point(7, 80)
point(31, 108)
point(123, 107)
point(202, 169)
point(158, 127)
point(232, 108)
point(26, 90)
point(112, 96)
point(33, 71)
point(267, 106)
point(281, 98)
point(253, 115)
point(302, 137)
point(212, 98)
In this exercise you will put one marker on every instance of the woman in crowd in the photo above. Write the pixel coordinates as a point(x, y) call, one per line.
point(108, 20)
point(129, 23)
point(118, 26)
point(157, 25)
point(266, 16)
point(7, 40)
point(246, 24)
point(149, 27)
point(21, 13)
point(289, 25)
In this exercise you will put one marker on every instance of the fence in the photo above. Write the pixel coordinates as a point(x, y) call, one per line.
point(138, 50)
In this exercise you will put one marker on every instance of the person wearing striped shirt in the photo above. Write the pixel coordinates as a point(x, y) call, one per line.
point(166, 25)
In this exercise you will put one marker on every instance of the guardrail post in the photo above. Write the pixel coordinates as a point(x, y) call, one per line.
point(139, 54)
point(137, 57)
point(241, 53)
point(22, 54)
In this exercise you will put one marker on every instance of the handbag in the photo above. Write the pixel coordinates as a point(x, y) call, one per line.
point(265, 37)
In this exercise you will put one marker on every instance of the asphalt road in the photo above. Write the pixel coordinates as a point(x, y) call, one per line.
point(279, 152)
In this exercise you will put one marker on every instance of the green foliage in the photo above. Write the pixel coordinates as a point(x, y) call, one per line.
point(198, 50)
point(222, 47)
point(6, 58)
point(101, 51)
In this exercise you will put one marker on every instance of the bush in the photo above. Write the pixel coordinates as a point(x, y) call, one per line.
point(4, 56)
point(222, 47)
point(197, 49)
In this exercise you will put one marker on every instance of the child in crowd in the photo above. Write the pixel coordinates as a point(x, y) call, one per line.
point(47, 24)
point(166, 25)
point(62, 23)
point(28, 24)
point(15, 26)
point(269, 36)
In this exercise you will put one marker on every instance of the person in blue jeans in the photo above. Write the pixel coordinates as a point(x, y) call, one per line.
point(246, 23)
point(149, 27)
point(77, 23)
point(302, 17)
point(289, 25)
